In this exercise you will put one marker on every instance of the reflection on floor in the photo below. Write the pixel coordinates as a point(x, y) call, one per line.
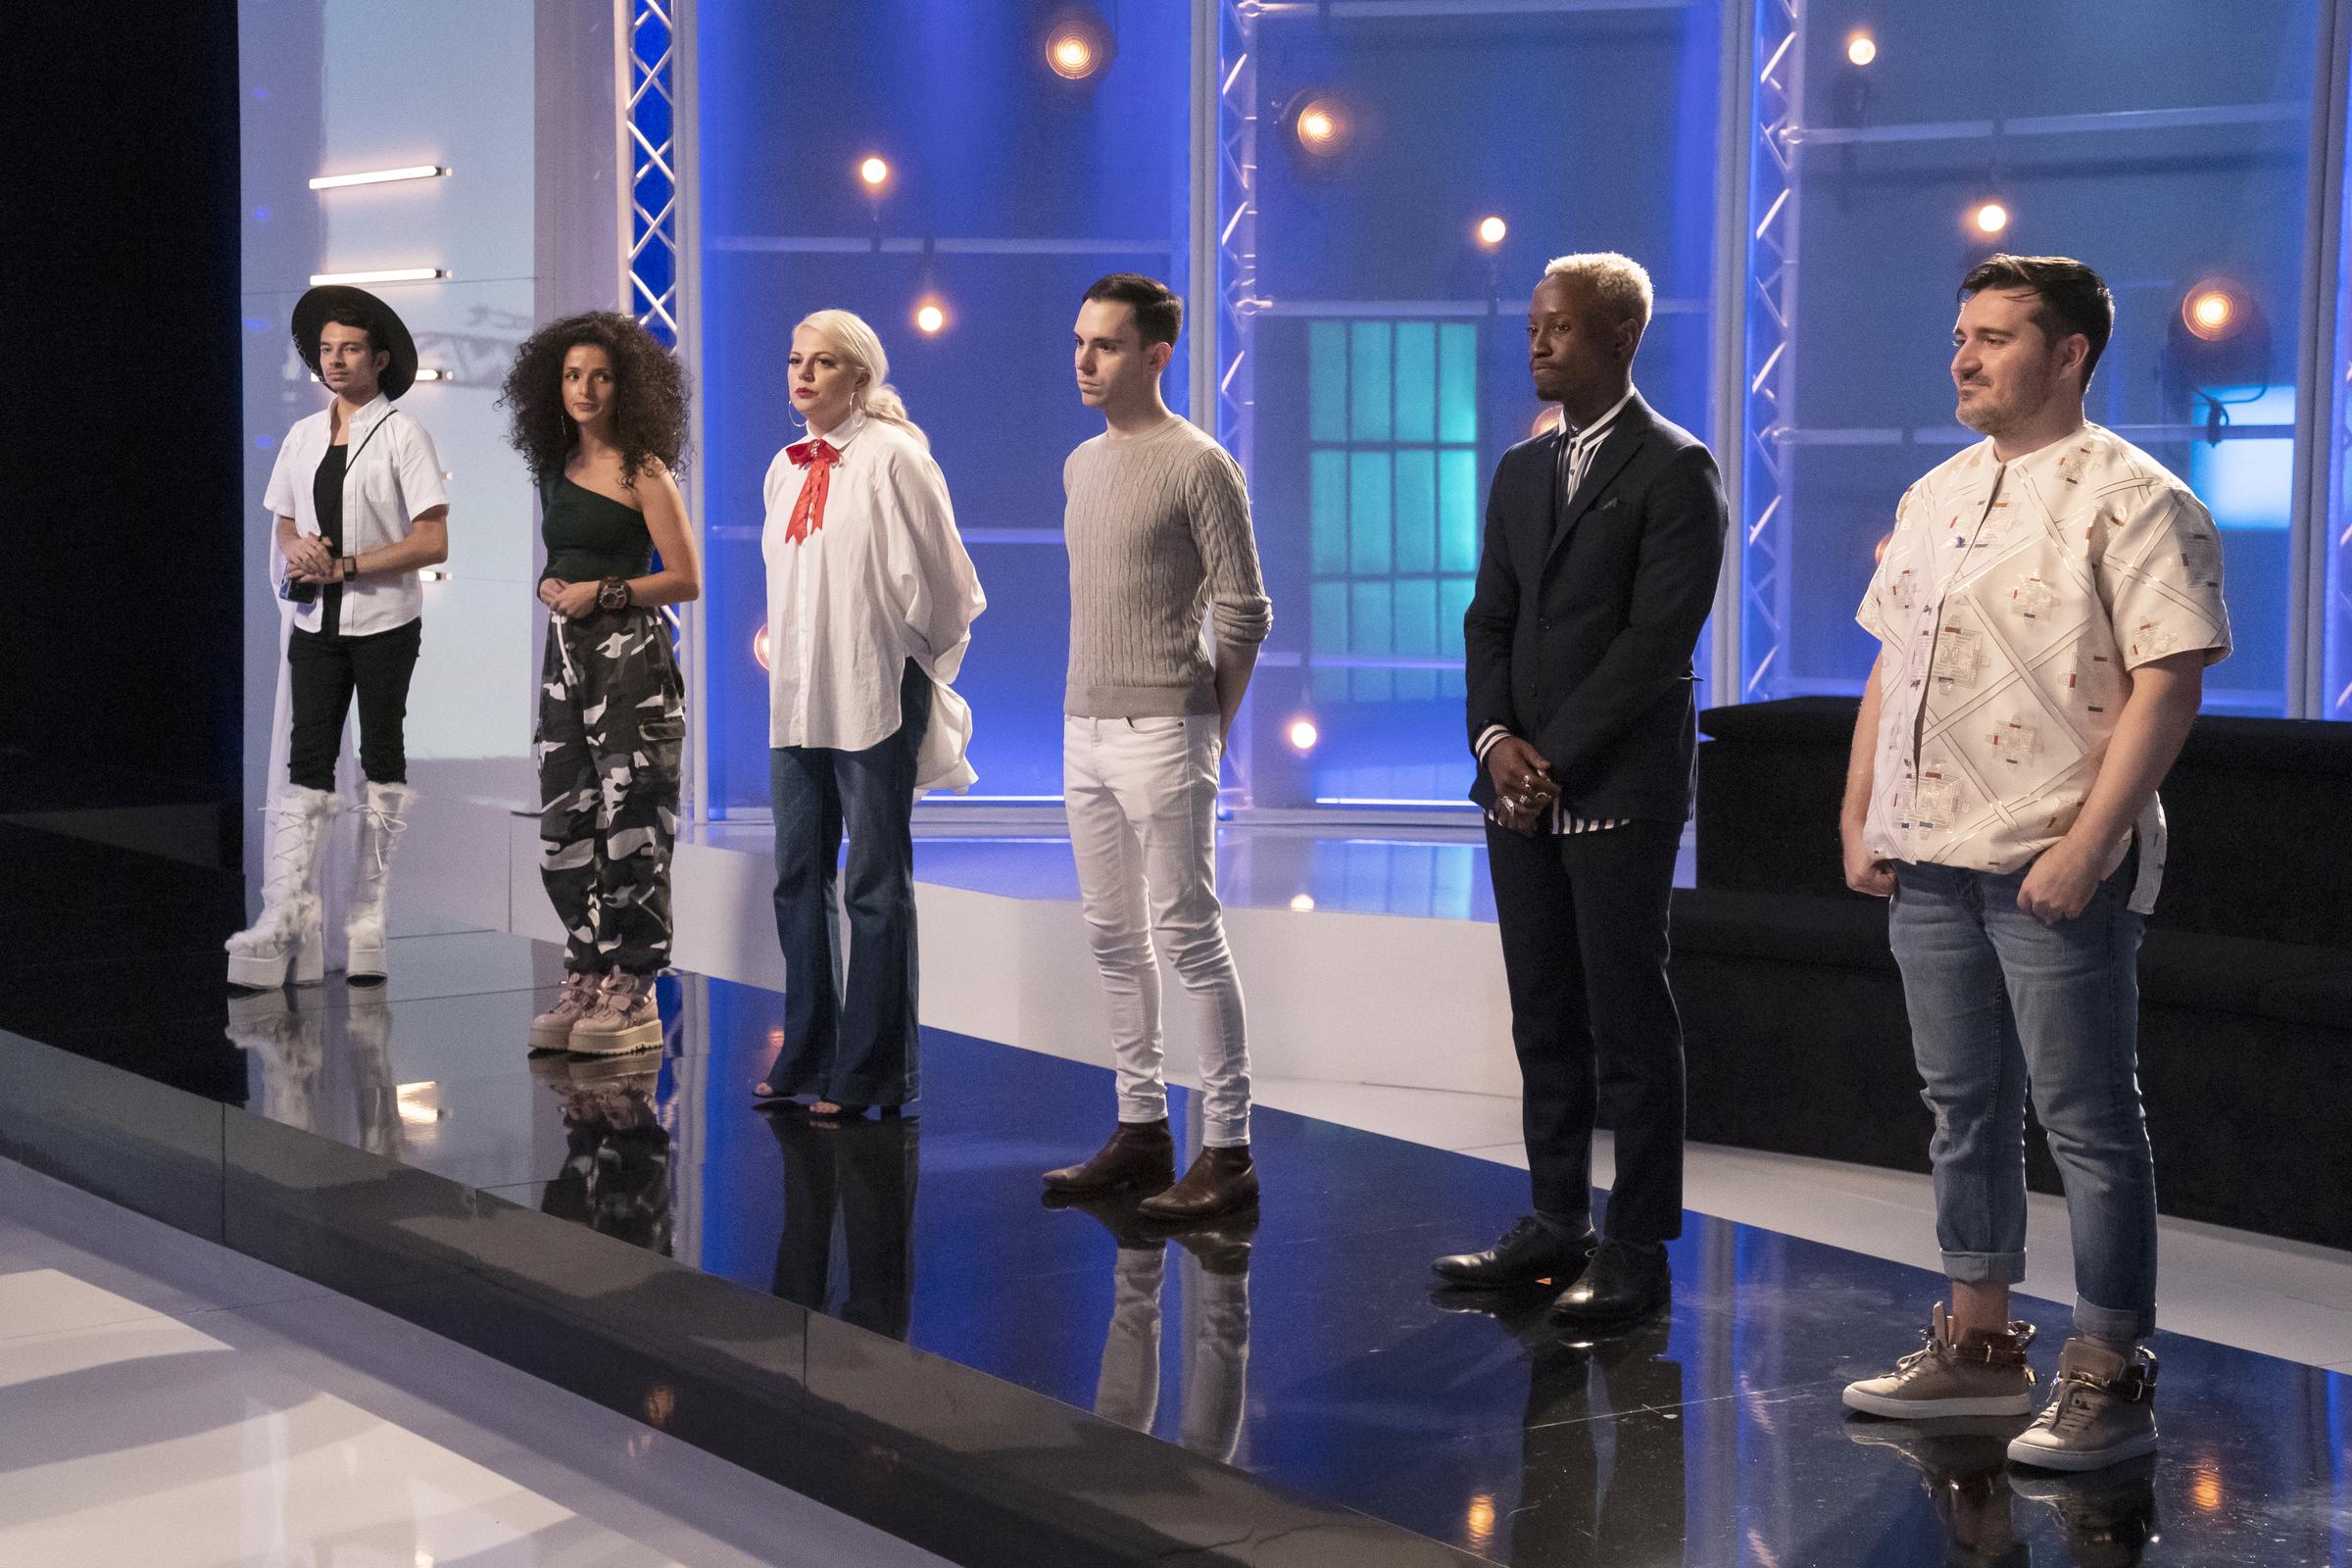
point(1307, 1348)
point(165, 1403)
point(1304, 1345)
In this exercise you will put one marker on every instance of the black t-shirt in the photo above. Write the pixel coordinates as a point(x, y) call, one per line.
point(327, 497)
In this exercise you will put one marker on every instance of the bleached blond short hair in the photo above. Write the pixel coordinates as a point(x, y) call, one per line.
point(1619, 282)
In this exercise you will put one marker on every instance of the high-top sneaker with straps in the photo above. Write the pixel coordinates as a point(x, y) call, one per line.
point(1977, 1373)
point(625, 1018)
point(384, 813)
point(552, 1029)
point(2102, 1409)
point(288, 940)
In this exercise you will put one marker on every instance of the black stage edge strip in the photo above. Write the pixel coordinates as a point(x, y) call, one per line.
point(977, 1470)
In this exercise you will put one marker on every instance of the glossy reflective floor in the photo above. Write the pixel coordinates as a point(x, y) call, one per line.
point(1304, 1346)
point(167, 1403)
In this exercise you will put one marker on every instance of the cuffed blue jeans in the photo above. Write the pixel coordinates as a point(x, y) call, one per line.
point(2001, 1005)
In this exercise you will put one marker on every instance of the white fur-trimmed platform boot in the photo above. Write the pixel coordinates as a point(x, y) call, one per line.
point(290, 941)
point(383, 817)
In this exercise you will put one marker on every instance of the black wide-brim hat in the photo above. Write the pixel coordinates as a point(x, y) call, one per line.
point(383, 325)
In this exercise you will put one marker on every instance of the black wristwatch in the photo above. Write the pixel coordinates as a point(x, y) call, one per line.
point(614, 594)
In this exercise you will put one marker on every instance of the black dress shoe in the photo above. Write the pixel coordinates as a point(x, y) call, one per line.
point(1526, 1255)
point(1624, 1281)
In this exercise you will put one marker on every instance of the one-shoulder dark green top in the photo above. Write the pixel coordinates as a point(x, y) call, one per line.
point(590, 536)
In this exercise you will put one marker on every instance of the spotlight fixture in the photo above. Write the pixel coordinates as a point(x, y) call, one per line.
point(1078, 46)
point(1301, 734)
point(760, 645)
point(389, 274)
point(2213, 310)
point(930, 316)
point(1302, 902)
point(1990, 217)
point(2218, 353)
point(1491, 232)
point(1546, 420)
point(435, 375)
point(1321, 127)
point(379, 176)
point(1861, 48)
point(875, 173)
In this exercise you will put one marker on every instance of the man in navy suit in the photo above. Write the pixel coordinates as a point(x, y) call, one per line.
point(1604, 541)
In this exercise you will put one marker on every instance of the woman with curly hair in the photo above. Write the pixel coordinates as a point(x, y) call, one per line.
point(600, 414)
point(870, 603)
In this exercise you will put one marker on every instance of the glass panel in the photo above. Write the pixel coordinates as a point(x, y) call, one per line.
point(1457, 383)
point(1416, 511)
point(1327, 379)
point(1326, 484)
point(2175, 168)
point(1417, 382)
point(1368, 512)
point(1375, 246)
point(787, 228)
point(1368, 385)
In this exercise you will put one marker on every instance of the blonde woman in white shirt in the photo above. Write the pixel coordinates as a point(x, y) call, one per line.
point(870, 601)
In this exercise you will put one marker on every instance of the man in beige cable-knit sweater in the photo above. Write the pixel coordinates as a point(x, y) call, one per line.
point(1158, 524)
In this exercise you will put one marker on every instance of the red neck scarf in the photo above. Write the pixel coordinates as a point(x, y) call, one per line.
point(815, 458)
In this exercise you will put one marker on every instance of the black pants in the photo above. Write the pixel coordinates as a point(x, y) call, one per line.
point(326, 668)
point(1584, 949)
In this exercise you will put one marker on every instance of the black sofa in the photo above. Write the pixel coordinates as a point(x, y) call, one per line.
point(1797, 1037)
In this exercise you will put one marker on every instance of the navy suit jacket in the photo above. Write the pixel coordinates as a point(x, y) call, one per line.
point(1587, 610)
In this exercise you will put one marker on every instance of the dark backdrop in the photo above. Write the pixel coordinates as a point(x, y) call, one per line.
point(120, 426)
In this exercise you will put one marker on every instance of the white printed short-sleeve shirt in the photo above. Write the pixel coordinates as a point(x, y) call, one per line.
point(2012, 602)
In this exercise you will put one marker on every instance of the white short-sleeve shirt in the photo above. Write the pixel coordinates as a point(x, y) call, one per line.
point(2013, 601)
point(393, 475)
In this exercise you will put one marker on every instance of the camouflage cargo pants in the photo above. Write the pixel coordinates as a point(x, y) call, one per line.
point(611, 732)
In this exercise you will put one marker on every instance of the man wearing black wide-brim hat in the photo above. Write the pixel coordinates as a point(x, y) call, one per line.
point(361, 508)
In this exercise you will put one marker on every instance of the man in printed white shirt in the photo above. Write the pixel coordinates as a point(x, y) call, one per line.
point(2047, 606)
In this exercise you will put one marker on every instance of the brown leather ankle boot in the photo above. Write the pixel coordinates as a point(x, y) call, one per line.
point(1141, 1154)
point(1220, 1181)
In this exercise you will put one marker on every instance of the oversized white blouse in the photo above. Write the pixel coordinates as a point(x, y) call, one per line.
point(884, 580)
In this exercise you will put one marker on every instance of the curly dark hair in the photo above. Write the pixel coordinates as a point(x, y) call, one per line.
point(649, 408)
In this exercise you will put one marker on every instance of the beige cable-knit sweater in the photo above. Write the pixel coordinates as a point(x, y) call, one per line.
point(1157, 527)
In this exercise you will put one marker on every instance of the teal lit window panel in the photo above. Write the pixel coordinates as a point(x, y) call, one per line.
point(1453, 603)
point(1327, 380)
point(1370, 549)
point(1369, 392)
point(1458, 381)
point(1370, 630)
point(1416, 510)
point(1327, 511)
point(1327, 607)
point(1415, 635)
point(1416, 381)
point(1457, 511)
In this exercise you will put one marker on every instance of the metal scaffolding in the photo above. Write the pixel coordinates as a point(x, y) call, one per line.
point(1771, 381)
point(649, 52)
